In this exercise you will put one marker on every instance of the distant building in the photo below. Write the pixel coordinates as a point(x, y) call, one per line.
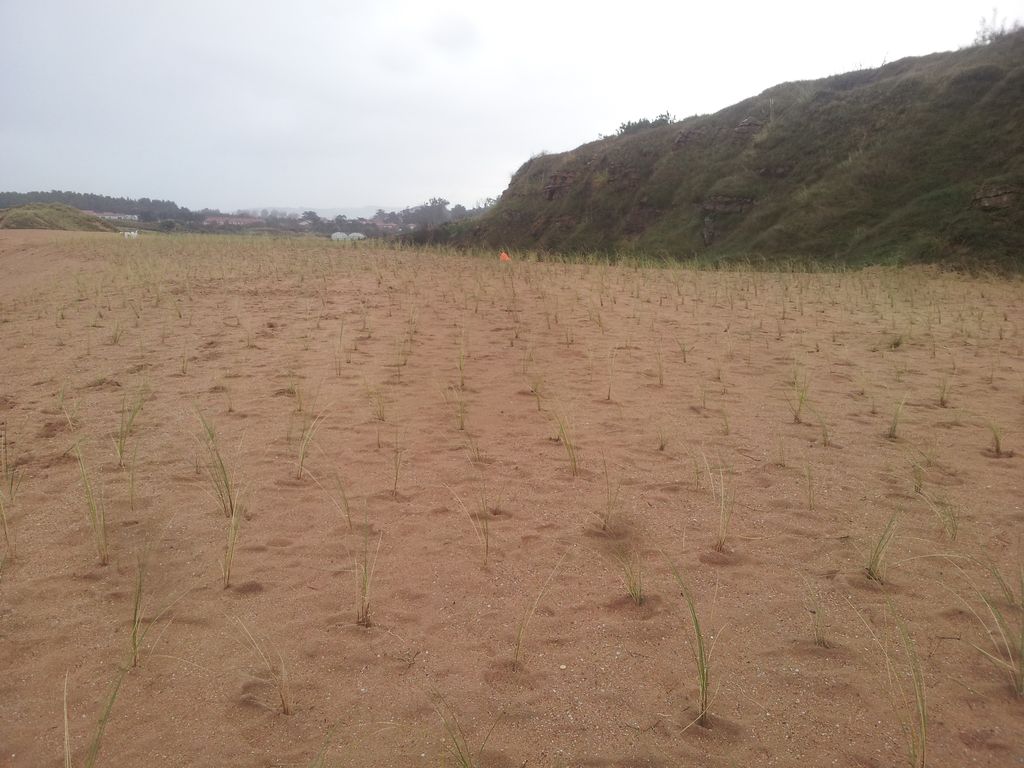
point(231, 221)
point(113, 216)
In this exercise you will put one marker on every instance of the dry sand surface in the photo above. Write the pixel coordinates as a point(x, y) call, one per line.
point(680, 391)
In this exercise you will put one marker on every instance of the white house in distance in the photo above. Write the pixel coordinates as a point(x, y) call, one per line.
point(113, 216)
point(345, 236)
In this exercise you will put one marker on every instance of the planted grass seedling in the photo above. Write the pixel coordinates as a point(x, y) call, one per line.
point(309, 430)
point(1002, 619)
point(826, 432)
point(129, 412)
point(798, 399)
point(684, 349)
point(875, 566)
point(96, 509)
point(365, 566)
point(535, 383)
point(702, 652)
point(139, 628)
point(611, 373)
point(481, 524)
point(396, 462)
point(378, 402)
point(8, 538)
point(997, 440)
point(725, 501)
point(947, 513)
point(456, 743)
point(341, 502)
point(96, 742)
point(565, 436)
point(915, 723)
point(222, 481)
point(894, 423)
point(475, 454)
point(631, 566)
point(817, 611)
point(917, 475)
point(912, 710)
point(234, 523)
point(70, 411)
point(460, 364)
point(275, 669)
point(606, 515)
point(524, 622)
point(944, 392)
point(10, 475)
point(320, 758)
point(810, 488)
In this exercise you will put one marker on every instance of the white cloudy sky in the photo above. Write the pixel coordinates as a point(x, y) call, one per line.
point(234, 104)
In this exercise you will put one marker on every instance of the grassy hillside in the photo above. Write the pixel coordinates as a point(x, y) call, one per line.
point(921, 159)
point(51, 216)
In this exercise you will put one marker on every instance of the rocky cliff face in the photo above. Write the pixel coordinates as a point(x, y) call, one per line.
point(921, 158)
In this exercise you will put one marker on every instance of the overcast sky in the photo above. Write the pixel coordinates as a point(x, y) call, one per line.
point(340, 104)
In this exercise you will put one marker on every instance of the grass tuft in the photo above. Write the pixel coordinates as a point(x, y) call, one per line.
point(894, 423)
point(10, 475)
point(565, 436)
point(129, 412)
point(96, 508)
point(275, 669)
point(875, 567)
point(365, 567)
point(632, 574)
point(701, 653)
point(524, 622)
point(309, 430)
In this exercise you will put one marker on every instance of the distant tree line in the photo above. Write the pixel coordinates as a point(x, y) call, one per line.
point(145, 208)
point(169, 215)
point(431, 214)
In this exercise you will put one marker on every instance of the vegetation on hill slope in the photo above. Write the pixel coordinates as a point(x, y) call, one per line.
point(920, 159)
point(51, 216)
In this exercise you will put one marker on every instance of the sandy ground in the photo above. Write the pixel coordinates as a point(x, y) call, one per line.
point(264, 337)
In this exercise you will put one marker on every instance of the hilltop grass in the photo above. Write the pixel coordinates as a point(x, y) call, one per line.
point(51, 216)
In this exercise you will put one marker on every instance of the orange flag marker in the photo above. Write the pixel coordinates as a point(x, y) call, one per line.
point(505, 257)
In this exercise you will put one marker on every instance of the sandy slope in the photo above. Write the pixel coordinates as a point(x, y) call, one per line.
point(236, 329)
